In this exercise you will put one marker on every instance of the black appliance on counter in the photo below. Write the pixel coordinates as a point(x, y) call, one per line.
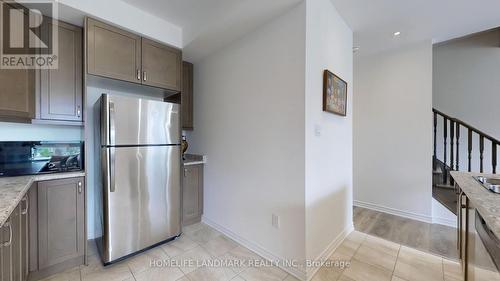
point(39, 157)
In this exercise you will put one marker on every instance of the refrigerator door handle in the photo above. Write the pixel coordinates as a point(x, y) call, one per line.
point(112, 132)
point(111, 169)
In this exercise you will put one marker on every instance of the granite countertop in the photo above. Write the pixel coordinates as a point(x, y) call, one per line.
point(193, 159)
point(486, 202)
point(13, 189)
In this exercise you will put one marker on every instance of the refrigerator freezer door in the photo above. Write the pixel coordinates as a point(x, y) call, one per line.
point(144, 206)
point(131, 121)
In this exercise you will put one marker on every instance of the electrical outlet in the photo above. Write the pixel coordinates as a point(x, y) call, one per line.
point(276, 221)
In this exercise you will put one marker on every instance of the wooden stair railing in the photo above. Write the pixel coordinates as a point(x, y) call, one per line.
point(455, 126)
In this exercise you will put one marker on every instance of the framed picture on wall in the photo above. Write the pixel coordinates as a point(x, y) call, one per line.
point(334, 94)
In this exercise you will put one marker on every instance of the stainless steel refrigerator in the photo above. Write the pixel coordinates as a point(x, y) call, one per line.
point(139, 203)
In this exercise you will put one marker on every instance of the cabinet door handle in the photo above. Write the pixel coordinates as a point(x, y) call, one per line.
point(145, 76)
point(139, 74)
point(79, 187)
point(25, 211)
point(79, 111)
point(8, 243)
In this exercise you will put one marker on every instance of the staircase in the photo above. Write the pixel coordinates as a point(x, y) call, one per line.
point(454, 153)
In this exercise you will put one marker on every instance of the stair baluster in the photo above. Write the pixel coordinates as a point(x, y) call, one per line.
point(494, 157)
point(435, 142)
point(469, 149)
point(481, 153)
point(457, 166)
point(445, 136)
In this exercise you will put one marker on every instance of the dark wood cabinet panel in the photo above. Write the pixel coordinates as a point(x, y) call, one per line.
point(13, 257)
point(161, 65)
point(118, 54)
point(187, 96)
point(112, 52)
point(61, 89)
point(6, 252)
point(60, 221)
point(24, 248)
point(16, 243)
point(17, 95)
point(192, 194)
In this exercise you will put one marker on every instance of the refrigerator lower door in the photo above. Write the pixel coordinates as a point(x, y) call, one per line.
point(142, 204)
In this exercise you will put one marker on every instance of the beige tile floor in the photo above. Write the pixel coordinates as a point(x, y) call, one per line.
point(370, 258)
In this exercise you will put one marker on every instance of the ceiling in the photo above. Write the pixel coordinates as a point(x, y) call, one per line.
point(208, 25)
point(375, 21)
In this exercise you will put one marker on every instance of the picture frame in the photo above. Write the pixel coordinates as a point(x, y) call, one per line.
point(334, 94)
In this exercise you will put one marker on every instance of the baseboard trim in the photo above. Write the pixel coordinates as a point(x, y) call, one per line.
point(311, 271)
point(443, 221)
point(392, 211)
point(259, 250)
point(405, 214)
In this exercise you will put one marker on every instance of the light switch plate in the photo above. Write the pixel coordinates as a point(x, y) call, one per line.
point(317, 130)
point(276, 221)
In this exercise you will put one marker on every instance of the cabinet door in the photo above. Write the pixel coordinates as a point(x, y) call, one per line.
point(60, 221)
point(187, 96)
point(16, 244)
point(6, 251)
point(61, 89)
point(161, 65)
point(112, 52)
point(464, 229)
point(192, 194)
point(17, 98)
point(24, 238)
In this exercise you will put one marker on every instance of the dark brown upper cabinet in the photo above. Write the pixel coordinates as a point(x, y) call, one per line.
point(112, 52)
point(187, 96)
point(161, 65)
point(60, 92)
point(17, 95)
point(118, 54)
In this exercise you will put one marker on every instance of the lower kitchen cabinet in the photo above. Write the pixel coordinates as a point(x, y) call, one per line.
point(13, 250)
point(192, 194)
point(6, 250)
point(61, 225)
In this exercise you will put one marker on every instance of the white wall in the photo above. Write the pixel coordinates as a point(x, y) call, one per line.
point(124, 15)
point(30, 132)
point(249, 121)
point(393, 131)
point(441, 215)
point(466, 86)
point(328, 156)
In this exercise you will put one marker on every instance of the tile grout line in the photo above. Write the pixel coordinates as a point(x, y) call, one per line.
point(355, 251)
point(396, 263)
point(442, 266)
